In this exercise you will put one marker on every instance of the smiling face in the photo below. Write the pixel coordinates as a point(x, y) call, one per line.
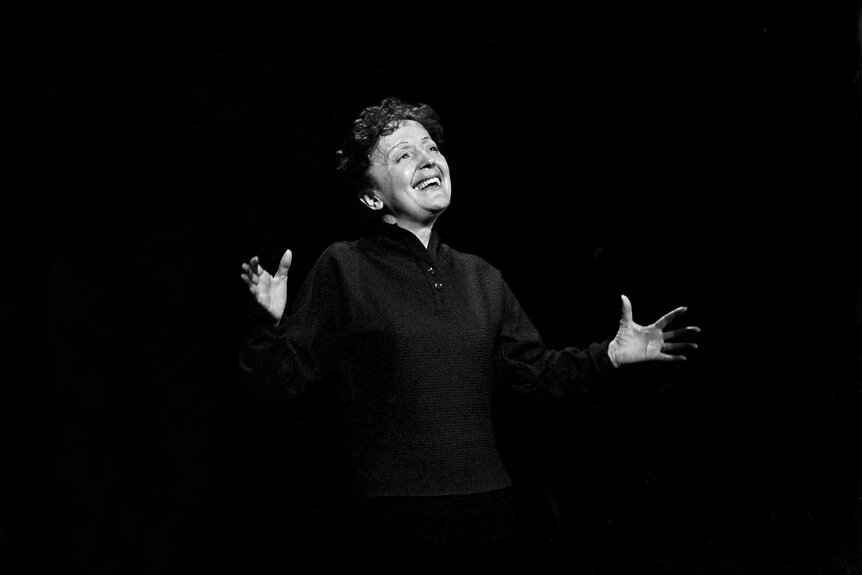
point(410, 177)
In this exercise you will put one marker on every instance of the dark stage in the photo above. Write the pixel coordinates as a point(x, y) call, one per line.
point(699, 154)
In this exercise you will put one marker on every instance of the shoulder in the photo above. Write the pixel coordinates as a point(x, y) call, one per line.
point(335, 258)
point(331, 268)
point(340, 250)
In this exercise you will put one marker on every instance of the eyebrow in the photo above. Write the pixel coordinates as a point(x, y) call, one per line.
point(422, 141)
point(395, 146)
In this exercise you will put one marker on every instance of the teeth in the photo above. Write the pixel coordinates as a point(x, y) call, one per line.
point(424, 184)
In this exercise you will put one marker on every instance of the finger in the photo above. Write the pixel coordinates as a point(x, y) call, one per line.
point(627, 310)
point(254, 264)
point(677, 348)
point(686, 331)
point(665, 357)
point(669, 317)
point(250, 280)
point(284, 264)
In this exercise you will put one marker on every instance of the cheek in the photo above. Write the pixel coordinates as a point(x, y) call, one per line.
point(444, 167)
point(402, 178)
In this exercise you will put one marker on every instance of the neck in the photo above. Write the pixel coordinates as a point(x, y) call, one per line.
point(420, 230)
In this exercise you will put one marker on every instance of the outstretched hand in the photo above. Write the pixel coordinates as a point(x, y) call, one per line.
point(270, 291)
point(635, 343)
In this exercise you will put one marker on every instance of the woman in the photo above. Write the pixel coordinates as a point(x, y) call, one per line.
point(415, 336)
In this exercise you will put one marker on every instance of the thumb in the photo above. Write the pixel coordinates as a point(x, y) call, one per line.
point(284, 264)
point(627, 310)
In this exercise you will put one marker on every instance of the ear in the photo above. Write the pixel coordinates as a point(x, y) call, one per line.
point(371, 200)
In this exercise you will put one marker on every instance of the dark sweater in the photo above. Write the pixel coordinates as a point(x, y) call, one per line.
point(414, 342)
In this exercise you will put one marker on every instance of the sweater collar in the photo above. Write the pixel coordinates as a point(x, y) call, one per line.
point(406, 241)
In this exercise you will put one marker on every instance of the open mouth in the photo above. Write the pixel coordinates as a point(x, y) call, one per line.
point(433, 181)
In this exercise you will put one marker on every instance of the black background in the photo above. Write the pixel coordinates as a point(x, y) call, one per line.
point(700, 154)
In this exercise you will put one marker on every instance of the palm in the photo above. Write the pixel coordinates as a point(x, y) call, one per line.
point(270, 291)
point(634, 343)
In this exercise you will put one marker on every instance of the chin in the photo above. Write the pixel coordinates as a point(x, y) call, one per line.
point(439, 207)
point(443, 200)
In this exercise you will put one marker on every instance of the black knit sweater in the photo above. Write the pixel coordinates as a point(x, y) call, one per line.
point(414, 341)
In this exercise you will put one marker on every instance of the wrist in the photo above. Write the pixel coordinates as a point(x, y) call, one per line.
point(612, 353)
point(275, 317)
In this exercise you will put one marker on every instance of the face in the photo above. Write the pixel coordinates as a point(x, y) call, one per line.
point(410, 176)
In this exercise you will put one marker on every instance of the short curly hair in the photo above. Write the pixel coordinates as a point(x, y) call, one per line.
point(373, 123)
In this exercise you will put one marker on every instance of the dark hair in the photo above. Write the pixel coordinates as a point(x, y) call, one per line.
point(373, 123)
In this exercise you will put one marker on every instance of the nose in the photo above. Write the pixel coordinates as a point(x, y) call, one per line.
point(426, 160)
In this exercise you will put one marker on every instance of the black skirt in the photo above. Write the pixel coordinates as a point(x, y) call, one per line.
point(456, 534)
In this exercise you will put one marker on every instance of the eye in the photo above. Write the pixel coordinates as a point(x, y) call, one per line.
point(403, 156)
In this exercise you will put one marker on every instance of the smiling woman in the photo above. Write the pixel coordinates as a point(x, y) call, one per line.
point(414, 338)
point(392, 162)
point(409, 180)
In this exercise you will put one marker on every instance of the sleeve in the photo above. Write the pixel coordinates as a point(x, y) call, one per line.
point(527, 366)
point(280, 361)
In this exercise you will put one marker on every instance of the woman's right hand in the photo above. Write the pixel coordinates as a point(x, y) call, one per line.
point(270, 291)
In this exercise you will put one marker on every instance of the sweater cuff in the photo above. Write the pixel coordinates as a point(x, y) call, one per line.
point(603, 360)
point(264, 322)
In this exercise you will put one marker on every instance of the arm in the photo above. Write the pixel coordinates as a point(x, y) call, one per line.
point(528, 367)
point(284, 353)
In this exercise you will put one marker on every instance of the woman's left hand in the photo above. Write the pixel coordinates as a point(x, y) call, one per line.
point(635, 343)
